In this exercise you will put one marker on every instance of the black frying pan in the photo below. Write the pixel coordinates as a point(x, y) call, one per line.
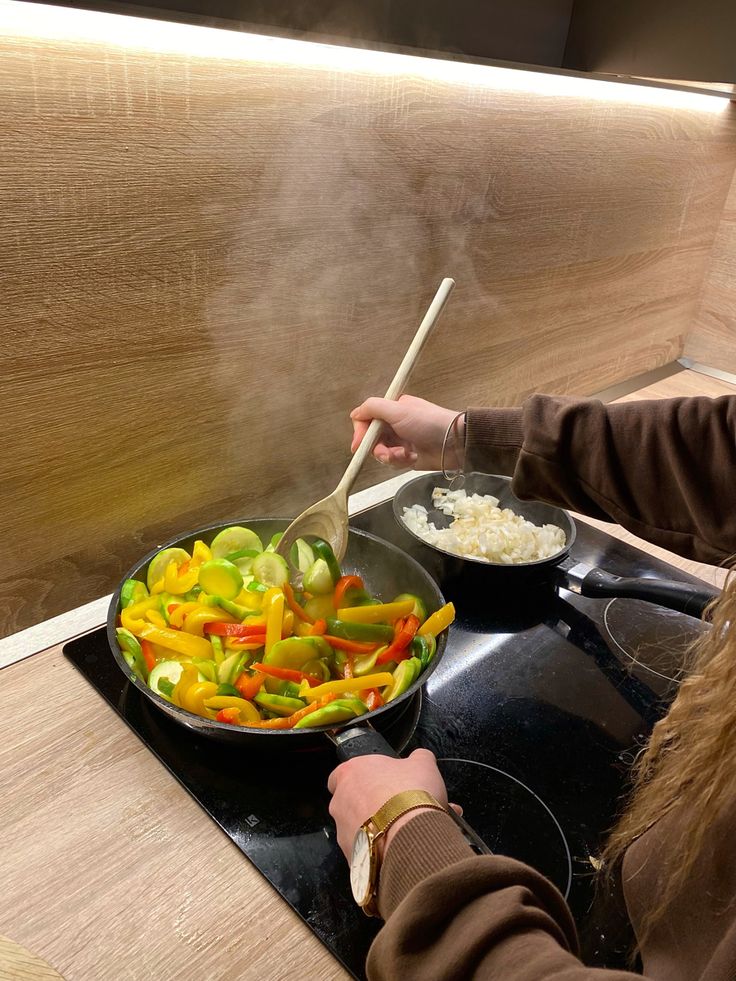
point(559, 569)
point(386, 572)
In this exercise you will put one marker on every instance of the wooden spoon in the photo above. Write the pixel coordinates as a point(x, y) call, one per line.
point(328, 518)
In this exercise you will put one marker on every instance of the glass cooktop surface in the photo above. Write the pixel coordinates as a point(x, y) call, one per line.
point(534, 712)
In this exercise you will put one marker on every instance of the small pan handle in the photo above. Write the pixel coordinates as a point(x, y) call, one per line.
point(680, 596)
point(363, 740)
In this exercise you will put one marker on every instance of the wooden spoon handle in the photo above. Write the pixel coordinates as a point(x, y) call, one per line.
point(396, 388)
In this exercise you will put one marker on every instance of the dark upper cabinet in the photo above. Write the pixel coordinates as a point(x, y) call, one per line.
point(675, 39)
point(667, 39)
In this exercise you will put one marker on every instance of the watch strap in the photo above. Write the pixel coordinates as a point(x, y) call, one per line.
point(400, 804)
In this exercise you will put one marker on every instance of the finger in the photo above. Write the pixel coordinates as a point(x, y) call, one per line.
point(400, 456)
point(334, 778)
point(457, 809)
point(423, 754)
point(375, 408)
point(359, 431)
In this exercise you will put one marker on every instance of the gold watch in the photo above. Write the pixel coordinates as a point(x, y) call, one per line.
point(364, 861)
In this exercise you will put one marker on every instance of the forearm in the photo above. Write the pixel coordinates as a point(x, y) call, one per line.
point(451, 914)
point(662, 469)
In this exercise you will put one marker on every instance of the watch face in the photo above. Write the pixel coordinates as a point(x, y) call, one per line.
point(360, 867)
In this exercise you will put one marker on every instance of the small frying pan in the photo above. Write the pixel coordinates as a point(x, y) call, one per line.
point(386, 571)
point(559, 569)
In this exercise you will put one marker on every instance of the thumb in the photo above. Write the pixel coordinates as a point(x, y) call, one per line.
point(457, 809)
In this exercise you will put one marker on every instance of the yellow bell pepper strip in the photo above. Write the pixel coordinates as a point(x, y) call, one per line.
point(200, 553)
point(158, 587)
point(287, 624)
point(199, 618)
point(379, 680)
point(131, 618)
point(250, 600)
point(178, 584)
point(399, 648)
point(291, 720)
point(247, 710)
point(177, 640)
point(178, 616)
point(294, 606)
point(379, 613)
point(274, 619)
point(194, 698)
point(155, 617)
point(438, 621)
point(188, 677)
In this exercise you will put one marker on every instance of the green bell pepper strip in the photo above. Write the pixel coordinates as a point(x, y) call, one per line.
point(234, 609)
point(323, 551)
point(256, 587)
point(372, 633)
point(132, 591)
point(329, 715)
point(424, 648)
point(132, 652)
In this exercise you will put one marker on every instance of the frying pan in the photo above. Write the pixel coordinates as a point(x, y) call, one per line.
point(559, 569)
point(386, 572)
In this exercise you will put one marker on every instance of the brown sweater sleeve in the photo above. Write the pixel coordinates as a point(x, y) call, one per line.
point(663, 469)
point(451, 914)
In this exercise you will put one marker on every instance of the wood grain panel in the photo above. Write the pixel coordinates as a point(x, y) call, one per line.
point(115, 874)
point(712, 340)
point(207, 262)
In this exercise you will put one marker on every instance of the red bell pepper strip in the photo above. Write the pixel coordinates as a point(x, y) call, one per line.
point(183, 568)
point(231, 715)
point(249, 684)
point(398, 649)
point(343, 584)
point(296, 609)
point(287, 674)
point(319, 628)
point(372, 698)
point(222, 629)
point(148, 655)
point(170, 609)
point(291, 720)
point(350, 646)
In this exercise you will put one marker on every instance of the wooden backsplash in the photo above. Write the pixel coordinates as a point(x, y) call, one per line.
point(207, 261)
point(712, 340)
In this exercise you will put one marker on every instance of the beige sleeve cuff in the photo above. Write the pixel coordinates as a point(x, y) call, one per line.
point(428, 843)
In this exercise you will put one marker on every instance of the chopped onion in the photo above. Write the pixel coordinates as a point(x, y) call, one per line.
point(482, 530)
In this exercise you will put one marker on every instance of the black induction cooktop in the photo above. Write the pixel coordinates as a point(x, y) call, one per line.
point(534, 713)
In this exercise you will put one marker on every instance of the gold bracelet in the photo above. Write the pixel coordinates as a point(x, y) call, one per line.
point(451, 475)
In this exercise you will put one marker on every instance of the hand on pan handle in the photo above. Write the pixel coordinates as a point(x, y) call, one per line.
point(413, 431)
point(363, 784)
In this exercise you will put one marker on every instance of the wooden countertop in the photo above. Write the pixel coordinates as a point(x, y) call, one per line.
point(111, 872)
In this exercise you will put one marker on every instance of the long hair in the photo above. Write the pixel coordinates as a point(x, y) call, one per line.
point(688, 762)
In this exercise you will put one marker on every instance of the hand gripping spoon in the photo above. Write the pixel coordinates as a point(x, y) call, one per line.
point(328, 518)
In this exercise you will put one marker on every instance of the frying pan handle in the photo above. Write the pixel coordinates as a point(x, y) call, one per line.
point(363, 740)
point(679, 596)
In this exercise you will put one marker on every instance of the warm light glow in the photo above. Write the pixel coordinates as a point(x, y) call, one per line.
point(49, 23)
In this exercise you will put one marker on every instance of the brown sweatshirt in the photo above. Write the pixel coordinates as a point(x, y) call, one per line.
point(664, 470)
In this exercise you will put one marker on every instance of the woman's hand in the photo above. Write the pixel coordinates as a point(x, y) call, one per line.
point(412, 434)
point(362, 785)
